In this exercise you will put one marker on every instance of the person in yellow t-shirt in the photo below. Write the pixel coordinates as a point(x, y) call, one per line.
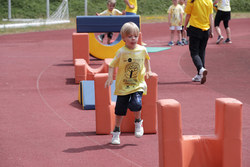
point(111, 11)
point(223, 14)
point(133, 65)
point(175, 14)
point(200, 18)
point(131, 7)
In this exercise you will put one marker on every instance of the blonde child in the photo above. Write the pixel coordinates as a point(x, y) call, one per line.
point(133, 65)
point(111, 11)
point(175, 14)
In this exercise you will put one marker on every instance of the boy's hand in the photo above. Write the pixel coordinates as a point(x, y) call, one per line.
point(108, 82)
point(149, 74)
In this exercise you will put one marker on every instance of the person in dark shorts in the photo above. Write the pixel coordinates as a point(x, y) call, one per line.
point(223, 14)
point(133, 65)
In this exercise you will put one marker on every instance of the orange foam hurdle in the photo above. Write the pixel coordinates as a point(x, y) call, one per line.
point(222, 149)
point(105, 114)
point(84, 72)
point(80, 45)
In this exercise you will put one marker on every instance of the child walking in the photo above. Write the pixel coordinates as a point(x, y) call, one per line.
point(175, 15)
point(133, 65)
point(111, 11)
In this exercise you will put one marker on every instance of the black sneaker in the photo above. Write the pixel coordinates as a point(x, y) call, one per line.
point(220, 38)
point(227, 41)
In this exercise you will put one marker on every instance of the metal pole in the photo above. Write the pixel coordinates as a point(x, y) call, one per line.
point(86, 7)
point(47, 8)
point(9, 9)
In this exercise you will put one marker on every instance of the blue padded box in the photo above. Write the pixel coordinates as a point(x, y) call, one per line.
point(94, 24)
point(86, 95)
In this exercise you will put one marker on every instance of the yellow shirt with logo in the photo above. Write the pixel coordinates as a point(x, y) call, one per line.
point(114, 12)
point(200, 11)
point(224, 5)
point(175, 12)
point(131, 70)
point(134, 10)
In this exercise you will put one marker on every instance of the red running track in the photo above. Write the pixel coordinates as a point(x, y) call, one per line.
point(42, 124)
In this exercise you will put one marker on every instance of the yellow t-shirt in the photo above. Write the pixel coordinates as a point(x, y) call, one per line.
point(175, 12)
point(224, 5)
point(200, 11)
point(114, 12)
point(131, 70)
point(134, 10)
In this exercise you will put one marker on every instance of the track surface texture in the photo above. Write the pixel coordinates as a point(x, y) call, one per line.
point(42, 123)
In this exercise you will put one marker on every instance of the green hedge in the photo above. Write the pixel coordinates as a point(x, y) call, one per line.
point(37, 8)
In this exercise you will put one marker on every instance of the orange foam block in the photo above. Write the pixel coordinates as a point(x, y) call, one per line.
point(221, 149)
point(84, 72)
point(105, 115)
point(80, 45)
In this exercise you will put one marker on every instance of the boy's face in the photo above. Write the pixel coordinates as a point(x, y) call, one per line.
point(130, 40)
point(175, 2)
point(111, 6)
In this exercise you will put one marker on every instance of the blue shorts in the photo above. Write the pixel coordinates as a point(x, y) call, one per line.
point(130, 13)
point(131, 101)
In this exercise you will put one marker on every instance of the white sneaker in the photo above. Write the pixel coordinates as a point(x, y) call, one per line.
point(220, 38)
point(196, 78)
point(115, 138)
point(203, 74)
point(139, 131)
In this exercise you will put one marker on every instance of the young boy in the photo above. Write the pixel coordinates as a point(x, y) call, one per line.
point(175, 14)
point(133, 64)
point(111, 11)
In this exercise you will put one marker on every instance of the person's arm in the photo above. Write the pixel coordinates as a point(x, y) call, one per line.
point(169, 19)
point(110, 77)
point(127, 3)
point(181, 19)
point(211, 19)
point(186, 21)
point(149, 73)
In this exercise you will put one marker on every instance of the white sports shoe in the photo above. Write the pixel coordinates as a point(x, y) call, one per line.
point(139, 131)
point(115, 138)
point(196, 78)
point(203, 74)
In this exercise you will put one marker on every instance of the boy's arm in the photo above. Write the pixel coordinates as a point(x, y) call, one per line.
point(186, 21)
point(169, 19)
point(211, 19)
point(148, 69)
point(181, 19)
point(110, 77)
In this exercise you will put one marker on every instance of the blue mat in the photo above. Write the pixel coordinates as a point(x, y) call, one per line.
point(87, 94)
point(156, 49)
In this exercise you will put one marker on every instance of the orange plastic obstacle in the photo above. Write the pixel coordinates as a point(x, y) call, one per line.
point(105, 115)
point(84, 72)
point(80, 45)
point(222, 149)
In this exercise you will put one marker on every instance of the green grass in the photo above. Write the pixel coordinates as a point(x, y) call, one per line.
point(72, 24)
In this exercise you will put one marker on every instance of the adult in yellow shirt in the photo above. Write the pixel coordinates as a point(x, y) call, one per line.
point(200, 18)
point(131, 7)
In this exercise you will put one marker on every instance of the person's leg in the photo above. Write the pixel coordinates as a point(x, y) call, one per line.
point(217, 21)
point(194, 44)
point(120, 111)
point(171, 42)
point(135, 105)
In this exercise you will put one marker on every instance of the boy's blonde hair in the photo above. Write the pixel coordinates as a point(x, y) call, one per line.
point(111, 2)
point(129, 28)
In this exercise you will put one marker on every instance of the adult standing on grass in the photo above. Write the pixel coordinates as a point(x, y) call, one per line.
point(200, 18)
point(223, 14)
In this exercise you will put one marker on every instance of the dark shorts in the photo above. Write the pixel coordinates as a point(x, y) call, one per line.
point(110, 35)
point(222, 16)
point(131, 101)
